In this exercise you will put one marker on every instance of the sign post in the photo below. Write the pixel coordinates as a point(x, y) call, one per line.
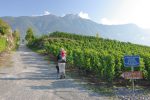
point(133, 82)
point(132, 61)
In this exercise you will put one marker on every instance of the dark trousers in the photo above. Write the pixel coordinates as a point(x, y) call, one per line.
point(57, 68)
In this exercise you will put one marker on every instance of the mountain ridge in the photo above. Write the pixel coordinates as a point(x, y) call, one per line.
point(72, 23)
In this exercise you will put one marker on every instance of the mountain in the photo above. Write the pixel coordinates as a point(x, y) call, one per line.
point(74, 24)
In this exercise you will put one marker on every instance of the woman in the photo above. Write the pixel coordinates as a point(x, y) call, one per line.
point(62, 63)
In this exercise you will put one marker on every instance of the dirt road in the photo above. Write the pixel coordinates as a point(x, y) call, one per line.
point(30, 77)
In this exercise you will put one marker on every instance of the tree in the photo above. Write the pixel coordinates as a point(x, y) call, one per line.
point(4, 28)
point(29, 35)
point(97, 35)
point(16, 35)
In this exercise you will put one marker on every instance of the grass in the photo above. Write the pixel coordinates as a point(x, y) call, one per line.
point(100, 87)
point(49, 57)
point(37, 50)
point(2, 44)
point(103, 88)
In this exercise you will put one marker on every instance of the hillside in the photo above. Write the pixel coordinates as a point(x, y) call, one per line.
point(74, 24)
point(103, 57)
point(8, 39)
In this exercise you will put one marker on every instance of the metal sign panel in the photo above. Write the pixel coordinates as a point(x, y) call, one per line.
point(133, 61)
point(132, 75)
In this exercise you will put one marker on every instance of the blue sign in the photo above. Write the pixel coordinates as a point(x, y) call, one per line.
point(131, 61)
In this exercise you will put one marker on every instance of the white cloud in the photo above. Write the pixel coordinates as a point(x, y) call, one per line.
point(143, 38)
point(135, 11)
point(130, 11)
point(107, 21)
point(84, 15)
point(46, 13)
point(63, 15)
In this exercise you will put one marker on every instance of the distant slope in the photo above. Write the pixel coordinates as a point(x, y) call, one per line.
point(102, 57)
point(74, 24)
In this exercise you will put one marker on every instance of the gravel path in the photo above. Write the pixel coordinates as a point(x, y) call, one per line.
point(30, 77)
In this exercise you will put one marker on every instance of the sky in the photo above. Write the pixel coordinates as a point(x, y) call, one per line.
point(109, 12)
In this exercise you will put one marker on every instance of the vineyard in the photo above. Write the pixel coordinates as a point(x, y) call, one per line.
point(103, 57)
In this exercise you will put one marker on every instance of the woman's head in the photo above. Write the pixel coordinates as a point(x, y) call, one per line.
point(63, 52)
point(61, 49)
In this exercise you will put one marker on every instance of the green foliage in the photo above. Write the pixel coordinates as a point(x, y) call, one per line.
point(103, 57)
point(3, 44)
point(7, 38)
point(16, 36)
point(29, 35)
point(97, 35)
point(4, 28)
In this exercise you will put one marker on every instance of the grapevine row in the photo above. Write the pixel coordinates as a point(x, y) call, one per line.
point(103, 57)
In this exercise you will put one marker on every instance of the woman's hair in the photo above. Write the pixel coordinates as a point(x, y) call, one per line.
point(61, 49)
point(63, 52)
